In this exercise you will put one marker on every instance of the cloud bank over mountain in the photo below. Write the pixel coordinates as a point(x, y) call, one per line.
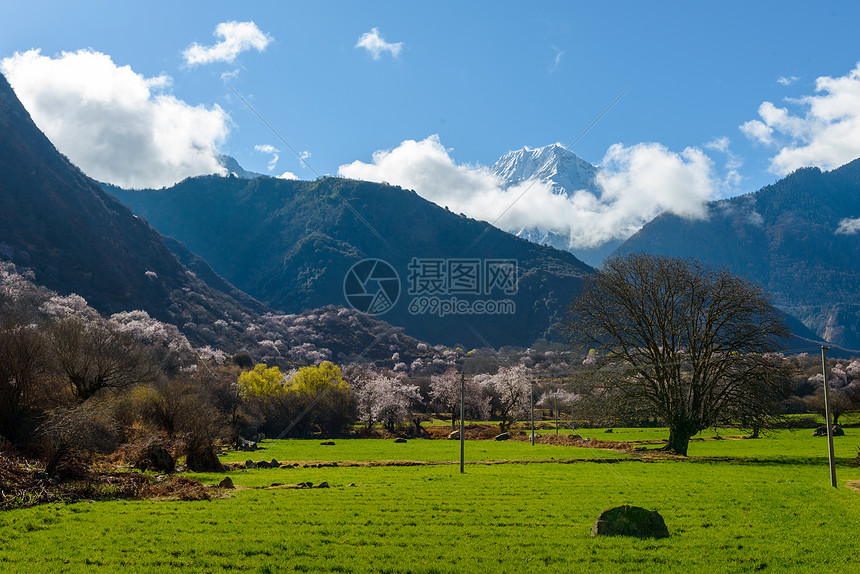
point(115, 124)
point(634, 184)
point(824, 131)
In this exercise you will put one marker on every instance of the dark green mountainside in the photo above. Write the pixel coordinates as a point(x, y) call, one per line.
point(76, 238)
point(79, 239)
point(291, 244)
point(785, 237)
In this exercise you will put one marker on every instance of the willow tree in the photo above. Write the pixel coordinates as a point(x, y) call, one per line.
point(690, 343)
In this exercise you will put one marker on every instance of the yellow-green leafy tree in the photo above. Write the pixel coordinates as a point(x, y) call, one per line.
point(262, 382)
point(327, 401)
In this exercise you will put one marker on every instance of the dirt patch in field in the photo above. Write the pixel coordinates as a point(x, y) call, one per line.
point(472, 431)
point(24, 483)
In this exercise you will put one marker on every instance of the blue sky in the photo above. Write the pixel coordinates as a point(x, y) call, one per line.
point(484, 78)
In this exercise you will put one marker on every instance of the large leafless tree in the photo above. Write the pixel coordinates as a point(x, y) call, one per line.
point(96, 355)
point(23, 363)
point(689, 342)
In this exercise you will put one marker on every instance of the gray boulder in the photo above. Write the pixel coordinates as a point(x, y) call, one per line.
point(227, 482)
point(628, 520)
point(822, 431)
point(155, 457)
point(503, 436)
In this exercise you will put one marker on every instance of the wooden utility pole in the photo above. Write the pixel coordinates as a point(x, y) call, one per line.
point(462, 423)
point(532, 402)
point(827, 417)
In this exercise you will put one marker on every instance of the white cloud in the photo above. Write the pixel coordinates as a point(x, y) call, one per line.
point(733, 178)
point(232, 74)
point(236, 37)
point(758, 132)
point(116, 125)
point(787, 80)
point(373, 43)
point(636, 184)
point(825, 132)
point(288, 175)
point(556, 60)
point(849, 226)
point(273, 151)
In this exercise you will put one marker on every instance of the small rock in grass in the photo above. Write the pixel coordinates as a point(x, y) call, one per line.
point(227, 482)
point(608, 430)
point(327, 443)
point(277, 484)
point(503, 436)
point(351, 484)
point(822, 431)
point(400, 440)
point(323, 485)
point(629, 520)
point(249, 464)
point(274, 464)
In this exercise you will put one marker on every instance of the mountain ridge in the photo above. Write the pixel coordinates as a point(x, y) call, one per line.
point(70, 236)
point(785, 237)
point(291, 243)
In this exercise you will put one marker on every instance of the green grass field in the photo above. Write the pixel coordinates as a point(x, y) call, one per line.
point(414, 450)
point(767, 507)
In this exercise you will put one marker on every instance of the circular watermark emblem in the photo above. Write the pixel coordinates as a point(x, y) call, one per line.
point(371, 286)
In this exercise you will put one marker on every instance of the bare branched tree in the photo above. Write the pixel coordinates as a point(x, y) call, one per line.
point(96, 355)
point(688, 341)
point(79, 430)
point(22, 364)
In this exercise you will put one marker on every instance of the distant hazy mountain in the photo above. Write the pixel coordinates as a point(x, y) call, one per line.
point(566, 173)
point(799, 237)
point(291, 244)
point(233, 168)
point(76, 238)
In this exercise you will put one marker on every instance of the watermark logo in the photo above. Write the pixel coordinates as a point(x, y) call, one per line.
point(372, 286)
point(429, 277)
point(435, 286)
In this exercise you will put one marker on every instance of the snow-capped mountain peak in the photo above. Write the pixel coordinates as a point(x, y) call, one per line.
point(567, 174)
point(552, 163)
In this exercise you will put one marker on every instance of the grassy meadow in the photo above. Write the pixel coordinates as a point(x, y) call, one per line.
point(732, 506)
